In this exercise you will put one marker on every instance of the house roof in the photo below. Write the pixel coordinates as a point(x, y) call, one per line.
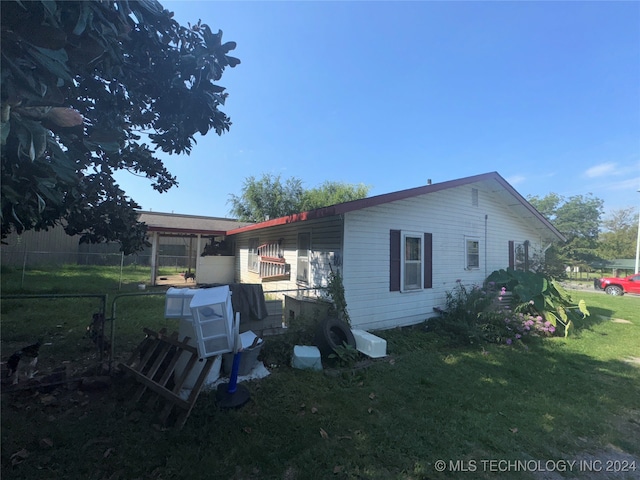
point(179, 224)
point(493, 181)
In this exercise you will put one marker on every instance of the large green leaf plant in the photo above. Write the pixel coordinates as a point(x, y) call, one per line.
point(537, 293)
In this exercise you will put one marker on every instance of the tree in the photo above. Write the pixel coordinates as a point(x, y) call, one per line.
point(618, 240)
point(578, 219)
point(267, 197)
point(82, 84)
point(331, 193)
point(270, 197)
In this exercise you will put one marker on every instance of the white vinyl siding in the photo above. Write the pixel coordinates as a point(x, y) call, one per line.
point(366, 264)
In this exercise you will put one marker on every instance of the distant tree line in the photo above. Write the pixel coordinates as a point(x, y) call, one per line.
point(590, 237)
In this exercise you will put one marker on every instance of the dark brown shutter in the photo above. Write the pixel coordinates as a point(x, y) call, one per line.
point(428, 260)
point(394, 261)
point(512, 260)
point(526, 255)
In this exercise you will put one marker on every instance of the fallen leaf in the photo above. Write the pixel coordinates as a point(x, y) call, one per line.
point(370, 410)
point(107, 452)
point(514, 430)
point(247, 429)
point(338, 468)
point(324, 434)
point(360, 384)
point(95, 441)
point(302, 406)
point(48, 400)
point(19, 457)
point(314, 410)
point(372, 395)
point(46, 443)
point(392, 361)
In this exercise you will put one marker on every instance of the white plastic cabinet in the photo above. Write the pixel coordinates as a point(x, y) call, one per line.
point(212, 315)
point(177, 302)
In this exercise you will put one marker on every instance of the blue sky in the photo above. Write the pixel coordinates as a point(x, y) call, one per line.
point(391, 94)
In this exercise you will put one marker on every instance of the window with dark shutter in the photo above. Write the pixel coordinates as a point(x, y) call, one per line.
point(414, 253)
point(512, 257)
point(428, 260)
point(394, 257)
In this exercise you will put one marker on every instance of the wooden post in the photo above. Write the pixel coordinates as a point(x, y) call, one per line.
point(154, 257)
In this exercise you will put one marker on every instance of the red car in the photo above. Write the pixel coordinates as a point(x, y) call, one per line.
point(619, 286)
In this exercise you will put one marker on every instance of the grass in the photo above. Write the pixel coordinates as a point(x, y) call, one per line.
point(556, 399)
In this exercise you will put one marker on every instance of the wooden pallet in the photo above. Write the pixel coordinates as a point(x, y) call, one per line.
point(153, 365)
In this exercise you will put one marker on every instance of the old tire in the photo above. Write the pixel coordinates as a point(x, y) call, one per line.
point(333, 333)
point(614, 290)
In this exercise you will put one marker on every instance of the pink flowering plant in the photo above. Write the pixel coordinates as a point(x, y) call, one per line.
point(536, 294)
point(493, 313)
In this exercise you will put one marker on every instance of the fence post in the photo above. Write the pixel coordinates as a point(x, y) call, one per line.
point(24, 267)
point(121, 265)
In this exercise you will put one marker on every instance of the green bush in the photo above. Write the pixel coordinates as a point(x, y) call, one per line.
point(462, 320)
point(478, 315)
point(537, 294)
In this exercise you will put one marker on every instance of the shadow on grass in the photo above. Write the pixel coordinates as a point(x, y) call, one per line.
point(393, 420)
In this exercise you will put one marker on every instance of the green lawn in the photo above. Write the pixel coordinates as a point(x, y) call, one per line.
point(556, 399)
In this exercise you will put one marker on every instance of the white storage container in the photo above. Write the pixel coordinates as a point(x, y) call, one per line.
point(306, 358)
point(177, 302)
point(213, 320)
point(369, 344)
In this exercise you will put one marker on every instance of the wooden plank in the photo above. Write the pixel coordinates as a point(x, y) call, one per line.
point(158, 348)
point(160, 390)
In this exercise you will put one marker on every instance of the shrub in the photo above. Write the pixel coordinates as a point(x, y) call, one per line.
point(537, 294)
point(478, 315)
point(461, 320)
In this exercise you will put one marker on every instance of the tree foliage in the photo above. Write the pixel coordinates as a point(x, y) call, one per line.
point(619, 236)
point(331, 193)
point(81, 81)
point(271, 197)
point(266, 197)
point(578, 219)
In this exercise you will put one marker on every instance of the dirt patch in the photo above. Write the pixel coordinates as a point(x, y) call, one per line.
point(609, 463)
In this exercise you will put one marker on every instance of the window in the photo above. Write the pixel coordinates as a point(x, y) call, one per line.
point(304, 244)
point(411, 261)
point(254, 258)
point(472, 253)
point(519, 255)
point(410, 267)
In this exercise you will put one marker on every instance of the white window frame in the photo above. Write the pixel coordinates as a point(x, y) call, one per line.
point(468, 243)
point(404, 287)
point(253, 260)
point(305, 259)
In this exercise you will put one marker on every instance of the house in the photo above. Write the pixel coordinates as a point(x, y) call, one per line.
point(398, 253)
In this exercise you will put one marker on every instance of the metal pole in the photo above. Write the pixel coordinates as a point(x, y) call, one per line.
point(637, 269)
point(121, 265)
point(24, 266)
